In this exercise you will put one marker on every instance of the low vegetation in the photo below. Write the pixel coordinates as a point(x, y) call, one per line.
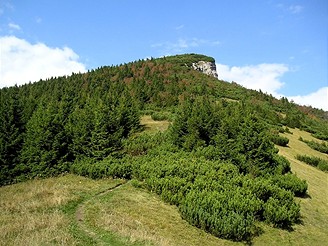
point(129, 215)
point(214, 159)
point(279, 140)
point(322, 147)
point(314, 161)
point(205, 183)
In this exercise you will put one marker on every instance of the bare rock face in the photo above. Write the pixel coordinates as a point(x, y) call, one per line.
point(208, 68)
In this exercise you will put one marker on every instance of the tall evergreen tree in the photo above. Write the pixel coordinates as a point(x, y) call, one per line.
point(256, 146)
point(11, 133)
point(79, 126)
point(45, 150)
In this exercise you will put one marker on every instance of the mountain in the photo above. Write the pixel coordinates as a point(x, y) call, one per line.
point(217, 161)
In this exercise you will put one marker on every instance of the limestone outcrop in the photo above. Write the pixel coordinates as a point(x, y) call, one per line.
point(208, 68)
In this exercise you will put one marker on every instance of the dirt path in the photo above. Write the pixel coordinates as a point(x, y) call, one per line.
point(80, 214)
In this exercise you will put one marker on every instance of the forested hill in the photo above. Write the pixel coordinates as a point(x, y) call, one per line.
point(51, 123)
point(220, 140)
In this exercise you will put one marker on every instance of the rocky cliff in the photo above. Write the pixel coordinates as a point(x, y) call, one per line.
point(206, 67)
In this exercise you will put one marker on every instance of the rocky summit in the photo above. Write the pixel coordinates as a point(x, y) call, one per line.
point(206, 67)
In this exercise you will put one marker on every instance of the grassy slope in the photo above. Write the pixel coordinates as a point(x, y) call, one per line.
point(73, 210)
point(144, 219)
point(42, 212)
point(314, 209)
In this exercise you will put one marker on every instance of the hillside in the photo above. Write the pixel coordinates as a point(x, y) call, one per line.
point(51, 207)
point(212, 157)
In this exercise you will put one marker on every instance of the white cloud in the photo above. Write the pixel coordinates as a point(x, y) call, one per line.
point(4, 6)
point(14, 26)
point(38, 20)
point(22, 62)
point(295, 9)
point(262, 76)
point(169, 48)
point(266, 77)
point(182, 45)
point(317, 99)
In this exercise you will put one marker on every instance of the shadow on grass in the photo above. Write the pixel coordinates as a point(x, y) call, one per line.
point(258, 231)
point(306, 196)
point(289, 227)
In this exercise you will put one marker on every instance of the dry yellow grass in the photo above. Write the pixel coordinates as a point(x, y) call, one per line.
point(141, 216)
point(31, 212)
point(25, 217)
point(230, 99)
point(153, 126)
point(298, 147)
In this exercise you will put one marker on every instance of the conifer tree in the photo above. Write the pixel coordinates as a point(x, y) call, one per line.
point(11, 133)
point(256, 146)
point(45, 149)
point(79, 127)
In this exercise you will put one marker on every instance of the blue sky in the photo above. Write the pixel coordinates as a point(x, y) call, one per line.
point(278, 46)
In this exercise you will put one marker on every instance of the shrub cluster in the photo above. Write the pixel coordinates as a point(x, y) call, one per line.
point(158, 116)
point(291, 183)
point(320, 135)
point(321, 147)
point(109, 167)
point(215, 196)
point(314, 161)
point(279, 140)
point(287, 130)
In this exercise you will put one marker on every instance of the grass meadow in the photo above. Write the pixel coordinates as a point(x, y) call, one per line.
point(42, 212)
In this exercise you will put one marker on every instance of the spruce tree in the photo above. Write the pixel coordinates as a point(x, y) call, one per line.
point(45, 150)
point(11, 133)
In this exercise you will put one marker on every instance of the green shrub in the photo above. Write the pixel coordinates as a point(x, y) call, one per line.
point(283, 165)
point(287, 130)
point(292, 183)
point(158, 116)
point(321, 147)
point(138, 145)
point(279, 140)
point(209, 152)
point(224, 215)
point(147, 112)
point(320, 135)
point(281, 213)
point(281, 129)
point(314, 161)
point(311, 160)
point(137, 184)
point(214, 196)
point(119, 169)
point(171, 189)
point(109, 167)
point(323, 165)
